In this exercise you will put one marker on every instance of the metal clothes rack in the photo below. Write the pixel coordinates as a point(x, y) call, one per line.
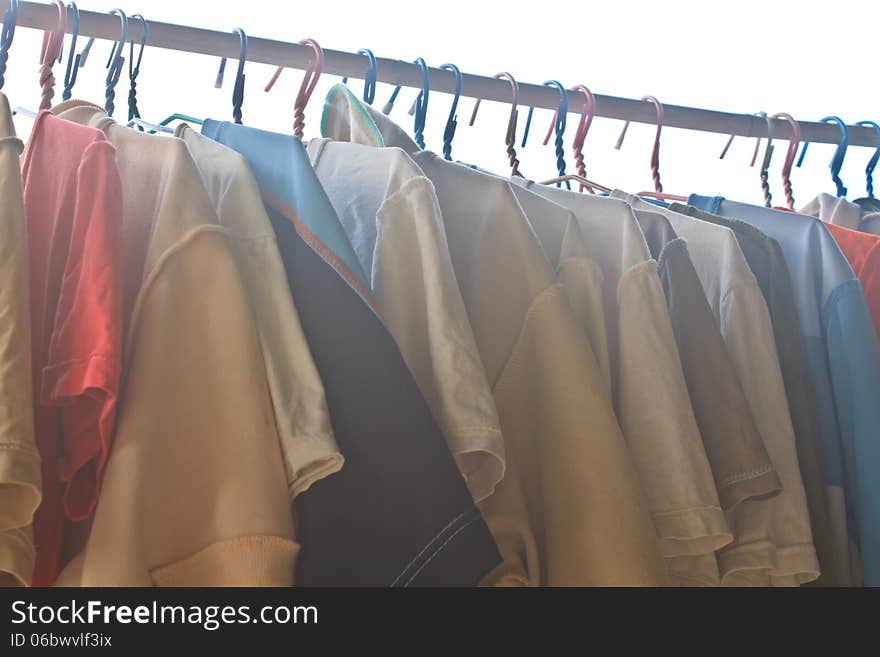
point(396, 72)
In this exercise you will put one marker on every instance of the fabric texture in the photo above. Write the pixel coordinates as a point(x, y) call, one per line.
point(399, 512)
point(73, 205)
point(739, 459)
point(392, 218)
point(649, 390)
point(301, 412)
point(774, 543)
point(844, 366)
point(767, 263)
point(569, 510)
point(195, 492)
point(20, 478)
point(834, 210)
point(862, 252)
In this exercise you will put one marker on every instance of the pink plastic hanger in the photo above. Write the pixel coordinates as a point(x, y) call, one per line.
point(310, 80)
point(655, 156)
point(793, 144)
point(510, 135)
point(51, 50)
point(587, 113)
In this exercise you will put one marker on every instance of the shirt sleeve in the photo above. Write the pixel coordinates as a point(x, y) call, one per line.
point(85, 351)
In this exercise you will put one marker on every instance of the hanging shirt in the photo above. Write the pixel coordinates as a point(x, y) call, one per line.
point(73, 208)
point(863, 255)
point(736, 452)
point(20, 481)
point(301, 413)
point(570, 510)
point(650, 393)
point(398, 513)
point(195, 492)
point(844, 364)
point(767, 263)
point(392, 218)
point(834, 210)
point(775, 544)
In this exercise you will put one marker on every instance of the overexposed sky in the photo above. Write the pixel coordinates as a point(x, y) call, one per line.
point(808, 59)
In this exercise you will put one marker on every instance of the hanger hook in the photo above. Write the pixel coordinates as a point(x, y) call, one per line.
point(306, 87)
point(50, 51)
point(73, 58)
point(369, 77)
point(134, 68)
point(726, 148)
point(872, 163)
point(238, 86)
point(764, 172)
point(655, 151)
point(840, 153)
point(588, 111)
point(389, 105)
point(559, 125)
point(452, 121)
point(793, 145)
point(115, 62)
point(420, 106)
point(510, 134)
point(10, 18)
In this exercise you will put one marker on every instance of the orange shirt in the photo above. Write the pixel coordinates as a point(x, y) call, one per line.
point(862, 251)
point(73, 212)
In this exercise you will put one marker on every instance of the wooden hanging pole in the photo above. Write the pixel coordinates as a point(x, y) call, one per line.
point(280, 53)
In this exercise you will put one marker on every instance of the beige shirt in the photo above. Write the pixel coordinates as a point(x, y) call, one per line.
point(391, 215)
point(195, 491)
point(569, 510)
point(650, 392)
point(301, 413)
point(774, 543)
point(20, 480)
point(834, 210)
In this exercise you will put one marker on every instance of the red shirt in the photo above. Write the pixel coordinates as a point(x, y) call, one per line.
point(73, 210)
point(862, 251)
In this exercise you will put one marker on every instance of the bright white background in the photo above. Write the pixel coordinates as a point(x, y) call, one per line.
point(805, 58)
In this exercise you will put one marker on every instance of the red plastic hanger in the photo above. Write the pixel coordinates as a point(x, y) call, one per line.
point(310, 80)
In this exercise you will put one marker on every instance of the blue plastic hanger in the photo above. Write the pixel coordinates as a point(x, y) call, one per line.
point(561, 114)
point(419, 107)
point(839, 154)
point(369, 77)
point(115, 62)
point(10, 18)
point(134, 68)
point(73, 58)
point(872, 163)
point(452, 121)
point(238, 88)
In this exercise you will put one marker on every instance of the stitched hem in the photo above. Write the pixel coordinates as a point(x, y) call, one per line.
point(309, 462)
point(479, 454)
point(240, 561)
point(764, 485)
point(690, 532)
point(759, 562)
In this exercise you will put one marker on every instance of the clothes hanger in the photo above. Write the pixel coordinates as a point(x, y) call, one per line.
point(583, 182)
point(369, 77)
point(655, 156)
point(510, 135)
point(115, 63)
point(764, 172)
point(310, 79)
point(586, 120)
point(726, 148)
point(134, 68)
point(452, 120)
point(793, 145)
point(51, 50)
point(10, 18)
point(869, 203)
point(73, 58)
point(238, 87)
point(839, 154)
point(559, 126)
point(419, 107)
